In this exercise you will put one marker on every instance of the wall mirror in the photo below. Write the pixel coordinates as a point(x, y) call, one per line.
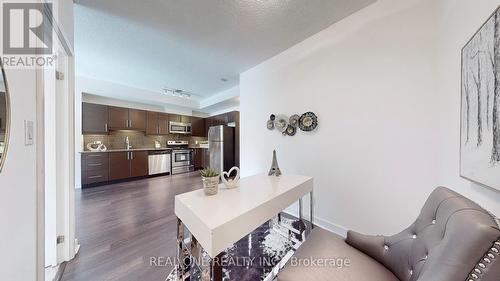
point(4, 117)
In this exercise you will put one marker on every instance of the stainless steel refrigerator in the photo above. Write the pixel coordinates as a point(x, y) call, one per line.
point(221, 147)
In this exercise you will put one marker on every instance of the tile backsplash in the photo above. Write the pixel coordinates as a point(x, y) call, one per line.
point(116, 139)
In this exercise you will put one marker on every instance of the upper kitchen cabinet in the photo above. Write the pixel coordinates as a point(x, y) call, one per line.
point(185, 119)
point(118, 117)
point(94, 118)
point(126, 119)
point(152, 127)
point(157, 123)
point(137, 119)
point(198, 127)
point(163, 123)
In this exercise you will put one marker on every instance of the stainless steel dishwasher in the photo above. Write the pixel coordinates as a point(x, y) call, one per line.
point(159, 162)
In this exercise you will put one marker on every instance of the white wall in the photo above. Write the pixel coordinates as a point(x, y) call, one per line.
point(18, 207)
point(388, 132)
point(459, 20)
point(18, 179)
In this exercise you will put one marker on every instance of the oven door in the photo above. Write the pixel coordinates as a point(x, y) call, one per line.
point(181, 158)
point(179, 128)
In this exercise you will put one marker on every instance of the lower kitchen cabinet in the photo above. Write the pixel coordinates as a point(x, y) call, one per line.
point(119, 165)
point(200, 158)
point(131, 164)
point(138, 163)
point(95, 168)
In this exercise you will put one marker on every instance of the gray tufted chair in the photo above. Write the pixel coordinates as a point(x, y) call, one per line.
point(453, 239)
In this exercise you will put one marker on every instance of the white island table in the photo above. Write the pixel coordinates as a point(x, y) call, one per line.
point(219, 221)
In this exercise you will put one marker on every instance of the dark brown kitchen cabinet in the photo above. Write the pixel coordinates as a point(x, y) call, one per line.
point(94, 118)
point(199, 158)
point(163, 123)
point(138, 163)
point(137, 119)
point(152, 126)
point(94, 168)
point(129, 164)
point(198, 127)
point(119, 165)
point(157, 123)
point(118, 117)
point(126, 119)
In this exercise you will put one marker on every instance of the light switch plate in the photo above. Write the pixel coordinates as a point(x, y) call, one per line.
point(28, 132)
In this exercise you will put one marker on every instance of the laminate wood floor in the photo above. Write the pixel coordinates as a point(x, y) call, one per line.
point(120, 226)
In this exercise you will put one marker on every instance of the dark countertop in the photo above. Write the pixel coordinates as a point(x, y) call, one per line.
point(125, 150)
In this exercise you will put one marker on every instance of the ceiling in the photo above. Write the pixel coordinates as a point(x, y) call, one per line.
point(192, 44)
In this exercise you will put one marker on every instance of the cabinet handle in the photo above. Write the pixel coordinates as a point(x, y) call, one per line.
point(95, 177)
point(131, 156)
point(128, 155)
point(94, 165)
point(130, 123)
point(94, 155)
point(106, 127)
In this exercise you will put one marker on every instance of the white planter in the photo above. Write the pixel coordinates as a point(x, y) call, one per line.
point(210, 185)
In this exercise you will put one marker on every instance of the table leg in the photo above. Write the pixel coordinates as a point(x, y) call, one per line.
point(311, 208)
point(182, 254)
point(216, 265)
point(300, 209)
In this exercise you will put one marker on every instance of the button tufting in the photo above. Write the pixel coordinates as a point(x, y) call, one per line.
point(481, 265)
point(491, 256)
point(477, 271)
point(414, 236)
point(487, 260)
point(433, 221)
point(386, 247)
point(494, 250)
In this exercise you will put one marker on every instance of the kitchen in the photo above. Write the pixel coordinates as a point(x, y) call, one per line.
point(123, 144)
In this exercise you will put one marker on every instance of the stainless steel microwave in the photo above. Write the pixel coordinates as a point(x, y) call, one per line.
point(179, 128)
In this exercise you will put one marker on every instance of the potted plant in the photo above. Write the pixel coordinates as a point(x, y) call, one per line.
point(210, 179)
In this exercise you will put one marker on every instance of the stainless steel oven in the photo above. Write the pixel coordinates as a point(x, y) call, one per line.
point(182, 161)
point(180, 128)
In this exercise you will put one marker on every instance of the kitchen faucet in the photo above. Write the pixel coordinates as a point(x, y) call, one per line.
point(127, 143)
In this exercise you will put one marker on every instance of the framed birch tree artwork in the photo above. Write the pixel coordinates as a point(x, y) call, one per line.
point(480, 106)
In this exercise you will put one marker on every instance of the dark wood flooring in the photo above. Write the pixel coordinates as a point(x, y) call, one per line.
point(120, 226)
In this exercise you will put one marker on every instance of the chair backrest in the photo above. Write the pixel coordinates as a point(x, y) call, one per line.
point(453, 239)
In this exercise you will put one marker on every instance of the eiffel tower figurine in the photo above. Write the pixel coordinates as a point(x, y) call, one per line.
point(275, 169)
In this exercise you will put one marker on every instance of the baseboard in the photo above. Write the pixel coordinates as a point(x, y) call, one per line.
point(332, 227)
point(325, 224)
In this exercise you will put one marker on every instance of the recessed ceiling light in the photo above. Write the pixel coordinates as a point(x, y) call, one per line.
point(223, 79)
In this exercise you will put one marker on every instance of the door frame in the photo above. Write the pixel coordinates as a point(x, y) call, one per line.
point(40, 157)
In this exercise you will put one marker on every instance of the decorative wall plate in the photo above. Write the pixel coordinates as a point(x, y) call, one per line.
point(294, 120)
point(291, 130)
point(270, 124)
point(308, 121)
point(281, 123)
